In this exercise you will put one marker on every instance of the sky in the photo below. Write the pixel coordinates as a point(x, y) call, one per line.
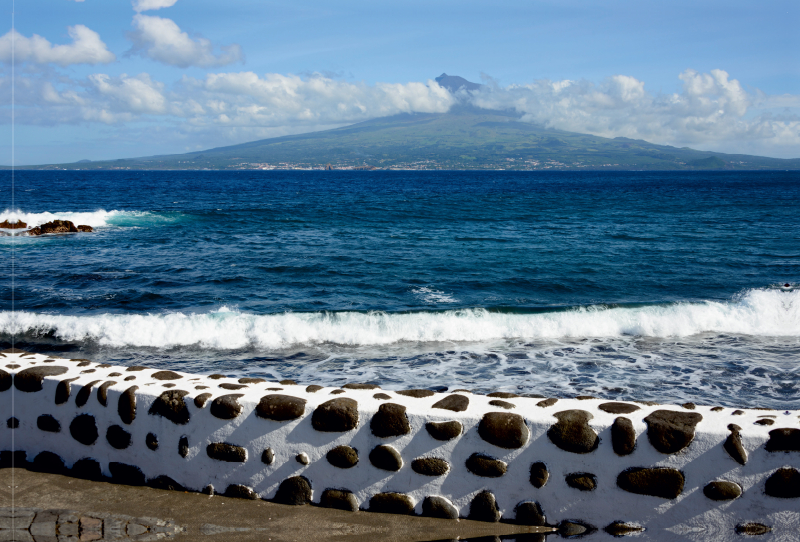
point(104, 79)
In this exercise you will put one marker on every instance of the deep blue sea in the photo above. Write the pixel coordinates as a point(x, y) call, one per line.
point(658, 286)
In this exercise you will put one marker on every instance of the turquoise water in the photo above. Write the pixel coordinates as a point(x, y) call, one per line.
point(666, 286)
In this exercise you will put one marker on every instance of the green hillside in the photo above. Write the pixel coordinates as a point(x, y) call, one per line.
point(464, 138)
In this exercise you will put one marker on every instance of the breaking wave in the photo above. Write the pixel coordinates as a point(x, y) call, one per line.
point(758, 312)
point(95, 219)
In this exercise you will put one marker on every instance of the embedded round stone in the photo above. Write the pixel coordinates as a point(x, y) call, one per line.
point(502, 395)
point(444, 430)
point(539, 474)
point(238, 491)
point(295, 491)
point(12, 423)
point(722, 490)
point(547, 402)
point(663, 482)
point(569, 529)
point(765, 421)
point(135, 368)
point(129, 475)
point(430, 466)
point(226, 407)
point(84, 429)
point(386, 458)
point(313, 388)
point(455, 403)
point(486, 466)
point(392, 503)
point(784, 484)
point(5, 380)
point(118, 438)
point(31, 379)
point(48, 462)
point(783, 440)
point(343, 457)
point(337, 392)
point(151, 441)
point(504, 429)
point(284, 382)
point(336, 416)
point(302, 458)
point(63, 390)
point(251, 380)
point(623, 436)
point(438, 507)
point(85, 392)
point(390, 421)
point(232, 387)
point(572, 432)
point(230, 453)
point(418, 394)
point(530, 513)
point(48, 423)
point(670, 431)
point(102, 392)
point(216, 377)
point(170, 405)
point(753, 529)
point(484, 507)
point(200, 400)
point(620, 528)
point(733, 445)
point(268, 456)
point(618, 408)
point(583, 481)
point(502, 404)
point(280, 408)
point(165, 482)
point(166, 375)
point(382, 396)
point(355, 386)
point(126, 405)
point(340, 499)
point(87, 469)
point(183, 446)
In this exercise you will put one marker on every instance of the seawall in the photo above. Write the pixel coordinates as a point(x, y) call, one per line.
point(578, 464)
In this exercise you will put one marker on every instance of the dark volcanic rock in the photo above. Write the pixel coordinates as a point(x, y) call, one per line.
point(430, 466)
point(443, 430)
point(502, 404)
point(504, 429)
point(63, 390)
point(226, 407)
point(165, 482)
point(200, 400)
point(623, 436)
point(171, 406)
point(251, 380)
point(456, 403)
point(30, 379)
point(213, 377)
point(783, 483)
point(118, 438)
point(55, 226)
point(618, 408)
point(502, 395)
point(620, 528)
point(539, 474)
point(356, 386)
point(583, 481)
point(416, 393)
point(268, 456)
point(129, 475)
point(222, 451)
point(83, 228)
point(574, 528)
point(721, 490)
point(486, 466)
point(765, 421)
point(340, 499)
point(5, 380)
point(753, 529)
point(386, 458)
point(336, 416)
point(390, 421)
point(783, 440)
point(733, 445)
point(484, 507)
point(313, 388)
point(126, 406)
point(85, 392)
point(48, 423)
point(547, 402)
point(18, 225)
point(151, 441)
point(382, 396)
point(102, 392)
point(84, 429)
point(391, 503)
point(238, 491)
point(87, 469)
point(183, 446)
point(48, 462)
point(670, 431)
point(663, 482)
point(530, 513)
point(295, 491)
point(12, 423)
point(343, 457)
point(166, 375)
point(438, 507)
point(280, 408)
point(573, 433)
point(232, 387)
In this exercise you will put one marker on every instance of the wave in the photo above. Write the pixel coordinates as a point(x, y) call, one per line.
point(95, 219)
point(759, 312)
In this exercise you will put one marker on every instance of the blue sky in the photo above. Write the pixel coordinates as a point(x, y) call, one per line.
point(103, 79)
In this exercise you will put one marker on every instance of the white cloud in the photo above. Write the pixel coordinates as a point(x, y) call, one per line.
point(162, 40)
point(86, 48)
point(146, 5)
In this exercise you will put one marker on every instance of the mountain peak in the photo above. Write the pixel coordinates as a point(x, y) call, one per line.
point(454, 83)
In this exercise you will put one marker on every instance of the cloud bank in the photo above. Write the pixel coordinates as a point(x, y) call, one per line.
point(147, 5)
point(86, 48)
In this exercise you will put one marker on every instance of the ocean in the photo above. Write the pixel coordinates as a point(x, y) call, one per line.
point(638, 286)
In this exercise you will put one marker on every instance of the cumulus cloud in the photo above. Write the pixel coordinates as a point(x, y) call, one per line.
point(147, 5)
point(86, 48)
point(162, 40)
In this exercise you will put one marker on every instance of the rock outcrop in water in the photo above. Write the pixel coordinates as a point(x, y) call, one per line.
point(59, 226)
point(5, 224)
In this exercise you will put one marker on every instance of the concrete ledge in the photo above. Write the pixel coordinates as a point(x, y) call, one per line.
point(578, 464)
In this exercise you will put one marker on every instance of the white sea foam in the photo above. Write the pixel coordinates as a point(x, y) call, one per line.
point(770, 313)
point(95, 219)
point(430, 295)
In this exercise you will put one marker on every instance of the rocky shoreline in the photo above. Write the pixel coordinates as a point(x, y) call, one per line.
point(54, 226)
